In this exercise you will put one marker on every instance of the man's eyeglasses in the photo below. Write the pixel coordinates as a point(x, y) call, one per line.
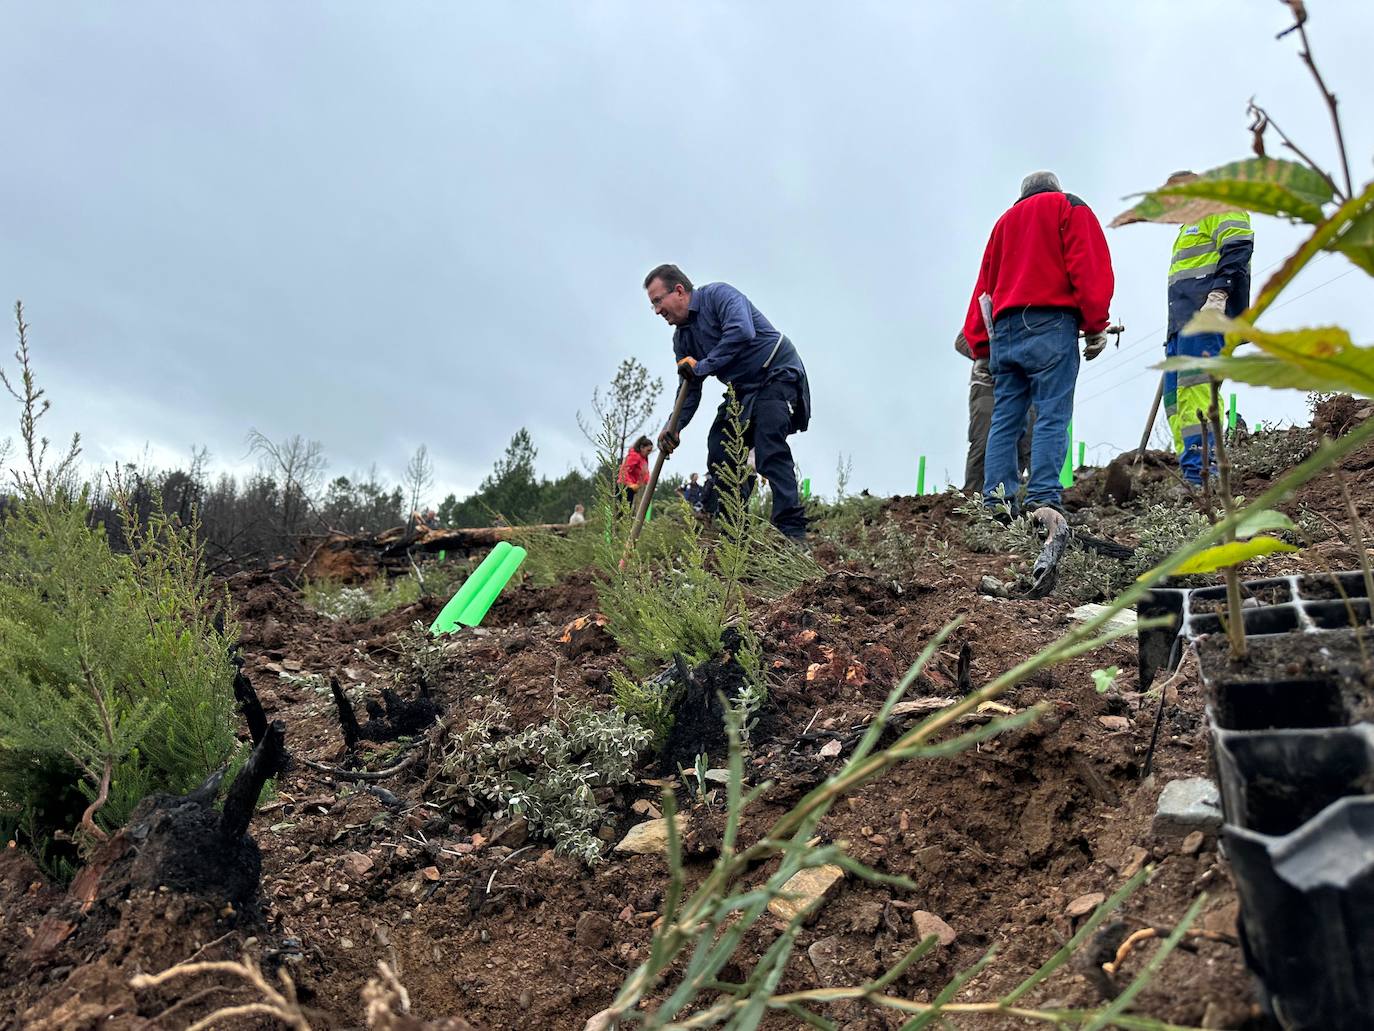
point(657, 302)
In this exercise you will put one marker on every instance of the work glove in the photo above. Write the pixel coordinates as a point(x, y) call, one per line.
point(1216, 301)
point(687, 368)
point(1093, 345)
point(668, 441)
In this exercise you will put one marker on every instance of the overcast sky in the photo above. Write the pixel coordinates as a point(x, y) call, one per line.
point(380, 225)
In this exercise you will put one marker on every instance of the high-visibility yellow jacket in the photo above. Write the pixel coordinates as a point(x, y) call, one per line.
point(1212, 253)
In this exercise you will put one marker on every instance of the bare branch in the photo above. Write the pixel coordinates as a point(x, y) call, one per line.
point(1306, 55)
point(1263, 121)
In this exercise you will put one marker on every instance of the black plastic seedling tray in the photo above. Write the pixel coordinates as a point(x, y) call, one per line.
point(1307, 902)
point(1293, 750)
point(1278, 605)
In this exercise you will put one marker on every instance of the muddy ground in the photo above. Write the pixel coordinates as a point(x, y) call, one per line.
point(484, 925)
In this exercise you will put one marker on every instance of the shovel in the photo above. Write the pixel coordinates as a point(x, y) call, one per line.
point(646, 495)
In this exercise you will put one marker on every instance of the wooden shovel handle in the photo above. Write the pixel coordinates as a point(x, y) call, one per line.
point(646, 494)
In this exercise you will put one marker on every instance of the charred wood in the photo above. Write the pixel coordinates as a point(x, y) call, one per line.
point(268, 760)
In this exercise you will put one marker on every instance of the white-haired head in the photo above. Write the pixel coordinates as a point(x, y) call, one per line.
point(1040, 182)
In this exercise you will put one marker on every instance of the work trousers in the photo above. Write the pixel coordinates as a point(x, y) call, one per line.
point(1034, 361)
point(980, 421)
point(768, 423)
point(1187, 398)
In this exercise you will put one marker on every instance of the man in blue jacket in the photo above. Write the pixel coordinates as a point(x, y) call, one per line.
point(718, 332)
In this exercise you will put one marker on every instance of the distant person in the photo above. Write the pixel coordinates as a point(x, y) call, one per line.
point(634, 470)
point(692, 492)
point(431, 519)
point(579, 515)
point(980, 421)
point(1209, 270)
point(718, 332)
point(1046, 274)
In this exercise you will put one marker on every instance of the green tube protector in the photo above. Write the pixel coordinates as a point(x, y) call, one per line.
point(447, 620)
point(486, 594)
point(1066, 473)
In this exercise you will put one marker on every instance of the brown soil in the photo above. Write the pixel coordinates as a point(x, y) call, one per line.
point(999, 841)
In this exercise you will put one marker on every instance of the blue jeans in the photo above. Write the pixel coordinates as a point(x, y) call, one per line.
point(1034, 361)
point(768, 423)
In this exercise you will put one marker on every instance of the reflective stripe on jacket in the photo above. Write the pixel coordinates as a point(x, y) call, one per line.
point(1212, 253)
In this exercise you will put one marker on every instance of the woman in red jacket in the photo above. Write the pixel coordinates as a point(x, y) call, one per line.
point(634, 471)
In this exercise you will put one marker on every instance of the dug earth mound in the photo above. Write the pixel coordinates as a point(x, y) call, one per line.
point(367, 859)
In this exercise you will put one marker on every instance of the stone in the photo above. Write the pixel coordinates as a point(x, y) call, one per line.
point(1192, 804)
point(1123, 620)
point(805, 891)
point(643, 807)
point(1135, 859)
point(1084, 904)
point(1192, 844)
point(1114, 723)
point(650, 837)
point(825, 958)
point(512, 833)
point(993, 587)
point(831, 748)
point(593, 930)
point(928, 924)
point(357, 864)
point(1225, 919)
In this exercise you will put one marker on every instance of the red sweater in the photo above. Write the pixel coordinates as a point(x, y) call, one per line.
point(1045, 251)
point(634, 471)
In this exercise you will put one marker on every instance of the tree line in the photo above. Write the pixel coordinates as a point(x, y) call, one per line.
point(255, 518)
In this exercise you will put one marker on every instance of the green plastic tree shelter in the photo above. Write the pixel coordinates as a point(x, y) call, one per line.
point(1066, 473)
point(1231, 414)
point(806, 488)
point(921, 476)
point(470, 604)
point(1082, 447)
point(481, 602)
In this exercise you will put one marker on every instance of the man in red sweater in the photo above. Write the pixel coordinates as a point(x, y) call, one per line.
point(1046, 275)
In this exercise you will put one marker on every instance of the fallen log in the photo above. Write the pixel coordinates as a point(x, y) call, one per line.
point(348, 558)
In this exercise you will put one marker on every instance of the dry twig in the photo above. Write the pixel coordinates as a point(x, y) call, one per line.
point(341, 774)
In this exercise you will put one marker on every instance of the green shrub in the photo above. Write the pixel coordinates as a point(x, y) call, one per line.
point(115, 678)
point(834, 521)
point(1268, 452)
point(419, 656)
point(553, 556)
point(650, 702)
point(110, 666)
point(547, 773)
point(664, 605)
point(358, 602)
